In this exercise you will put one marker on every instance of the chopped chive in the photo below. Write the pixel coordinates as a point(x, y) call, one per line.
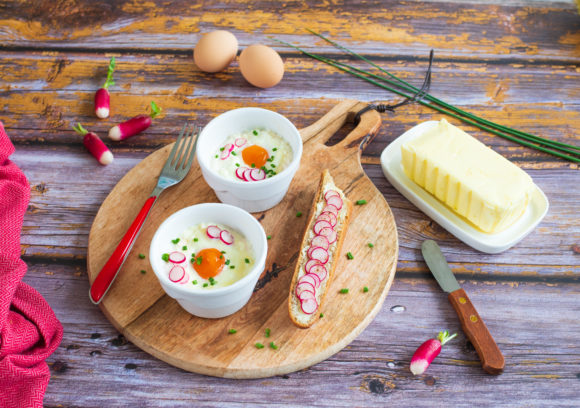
point(232, 331)
point(255, 132)
point(272, 165)
point(195, 240)
point(234, 154)
point(247, 260)
point(365, 289)
point(321, 315)
point(211, 279)
point(165, 257)
point(184, 248)
point(344, 290)
point(253, 165)
point(205, 285)
point(370, 244)
point(274, 149)
point(143, 271)
point(259, 345)
point(198, 260)
point(269, 237)
point(176, 240)
point(221, 257)
point(216, 156)
point(223, 252)
point(349, 255)
point(228, 262)
point(273, 346)
point(222, 149)
point(237, 164)
point(361, 202)
point(194, 282)
point(299, 214)
point(232, 266)
point(267, 333)
point(141, 256)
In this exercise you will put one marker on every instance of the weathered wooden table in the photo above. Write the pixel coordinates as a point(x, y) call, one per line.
point(517, 64)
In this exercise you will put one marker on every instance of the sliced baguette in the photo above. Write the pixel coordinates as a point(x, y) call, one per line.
point(297, 315)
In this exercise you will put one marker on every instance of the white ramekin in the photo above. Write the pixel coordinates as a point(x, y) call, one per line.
point(217, 302)
point(252, 196)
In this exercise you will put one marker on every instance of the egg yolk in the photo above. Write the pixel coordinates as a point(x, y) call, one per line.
point(255, 155)
point(212, 263)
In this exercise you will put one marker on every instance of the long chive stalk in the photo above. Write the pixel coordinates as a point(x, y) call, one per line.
point(410, 87)
point(477, 121)
point(347, 69)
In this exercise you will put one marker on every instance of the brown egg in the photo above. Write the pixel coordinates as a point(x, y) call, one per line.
point(261, 66)
point(215, 51)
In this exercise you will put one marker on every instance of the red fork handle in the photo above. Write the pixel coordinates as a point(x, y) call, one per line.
point(107, 275)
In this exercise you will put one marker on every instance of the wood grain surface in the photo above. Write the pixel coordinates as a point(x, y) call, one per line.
point(139, 308)
point(514, 62)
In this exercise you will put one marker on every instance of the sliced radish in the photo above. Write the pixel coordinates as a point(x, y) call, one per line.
point(224, 154)
point(213, 231)
point(319, 271)
point(320, 254)
point(316, 278)
point(329, 233)
point(306, 295)
point(330, 208)
point(176, 257)
point(320, 241)
point(327, 216)
point(240, 141)
point(312, 248)
point(309, 306)
point(227, 237)
point(335, 200)
point(185, 279)
point(309, 279)
point(257, 174)
point(318, 225)
point(240, 173)
point(176, 273)
point(302, 286)
point(330, 193)
point(309, 264)
point(246, 174)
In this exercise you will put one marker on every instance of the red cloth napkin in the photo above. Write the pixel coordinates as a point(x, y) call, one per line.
point(29, 330)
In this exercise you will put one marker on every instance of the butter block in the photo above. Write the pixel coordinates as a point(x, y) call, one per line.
point(470, 178)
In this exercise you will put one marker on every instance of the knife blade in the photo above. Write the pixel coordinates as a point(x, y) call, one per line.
point(492, 360)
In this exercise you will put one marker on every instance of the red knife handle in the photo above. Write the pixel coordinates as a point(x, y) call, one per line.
point(107, 275)
point(492, 360)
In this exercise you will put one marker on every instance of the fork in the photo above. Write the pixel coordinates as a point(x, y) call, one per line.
point(175, 169)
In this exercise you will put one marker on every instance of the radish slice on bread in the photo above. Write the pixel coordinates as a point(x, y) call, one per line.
point(319, 254)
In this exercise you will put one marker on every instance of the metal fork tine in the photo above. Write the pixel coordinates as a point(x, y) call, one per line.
point(175, 146)
point(182, 143)
point(190, 152)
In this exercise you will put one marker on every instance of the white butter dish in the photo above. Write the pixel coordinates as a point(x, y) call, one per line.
point(444, 216)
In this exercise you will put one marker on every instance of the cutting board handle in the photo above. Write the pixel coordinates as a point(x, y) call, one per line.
point(323, 129)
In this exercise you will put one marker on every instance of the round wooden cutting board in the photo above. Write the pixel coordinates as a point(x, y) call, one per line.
point(138, 307)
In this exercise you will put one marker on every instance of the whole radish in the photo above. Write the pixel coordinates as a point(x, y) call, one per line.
point(427, 352)
point(134, 125)
point(94, 145)
point(102, 97)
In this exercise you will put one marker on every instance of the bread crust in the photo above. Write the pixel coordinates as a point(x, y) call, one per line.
point(293, 303)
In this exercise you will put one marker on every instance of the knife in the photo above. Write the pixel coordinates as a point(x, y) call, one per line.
point(492, 360)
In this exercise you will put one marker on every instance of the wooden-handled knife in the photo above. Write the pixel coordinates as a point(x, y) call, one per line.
point(491, 358)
